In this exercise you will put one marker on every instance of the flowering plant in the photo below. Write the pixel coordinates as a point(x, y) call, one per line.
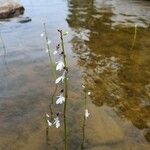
point(61, 66)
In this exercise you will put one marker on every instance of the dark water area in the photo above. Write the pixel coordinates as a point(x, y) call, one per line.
point(108, 51)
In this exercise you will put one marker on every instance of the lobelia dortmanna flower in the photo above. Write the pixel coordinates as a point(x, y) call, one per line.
point(60, 66)
point(42, 34)
point(48, 120)
point(61, 78)
point(49, 123)
point(86, 111)
point(57, 122)
point(55, 52)
point(60, 99)
point(87, 114)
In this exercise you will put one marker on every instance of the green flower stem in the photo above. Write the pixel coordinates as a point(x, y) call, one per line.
point(51, 64)
point(83, 133)
point(52, 67)
point(65, 90)
point(135, 33)
point(84, 121)
point(52, 102)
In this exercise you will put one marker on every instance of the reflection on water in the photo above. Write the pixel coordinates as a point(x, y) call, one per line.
point(101, 37)
point(110, 12)
point(102, 41)
point(125, 13)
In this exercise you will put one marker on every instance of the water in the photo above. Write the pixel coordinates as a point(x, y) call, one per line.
point(101, 34)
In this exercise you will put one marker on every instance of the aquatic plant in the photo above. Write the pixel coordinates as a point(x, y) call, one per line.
point(134, 38)
point(50, 120)
point(85, 116)
point(2, 43)
point(62, 67)
point(48, 50)
point(65, 79)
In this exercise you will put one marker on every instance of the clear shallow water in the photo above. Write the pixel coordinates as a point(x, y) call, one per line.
point(99, 53)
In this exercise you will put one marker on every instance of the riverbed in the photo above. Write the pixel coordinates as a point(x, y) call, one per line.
point(107, 50)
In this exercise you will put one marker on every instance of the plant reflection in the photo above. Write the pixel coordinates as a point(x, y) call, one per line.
point(117, 76)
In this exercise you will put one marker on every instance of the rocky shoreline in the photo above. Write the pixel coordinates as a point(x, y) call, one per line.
point(10, 8)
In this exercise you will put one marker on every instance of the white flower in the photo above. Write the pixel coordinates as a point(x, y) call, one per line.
point(47, 115)
point(66, 33)
point(48, 42)
point(42, 34)
point(89, 93)
point(61, 78)
point(49, 123)
point(55, 52)
point(83, 86)
point(87, 114)
point(60, 99)
point(57, 122)
point(46, 50)
point(60, 65)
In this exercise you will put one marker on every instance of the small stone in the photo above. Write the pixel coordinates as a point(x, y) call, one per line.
point(24, 20)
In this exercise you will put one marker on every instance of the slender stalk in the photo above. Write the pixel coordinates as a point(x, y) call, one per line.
point(83, 133)
point(55, 90)
point(65, 90)
point(52, 67)
point(53, 73)
point(52, 102)
point(3, 45)
point(51, 115)
point(51, 64)
point(84, 121)
point(135, 33)
point(5, 52)
point(47, 137)
point(47, 132)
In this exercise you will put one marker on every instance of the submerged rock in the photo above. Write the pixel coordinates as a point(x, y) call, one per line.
point(10, 8)
point(24, 19)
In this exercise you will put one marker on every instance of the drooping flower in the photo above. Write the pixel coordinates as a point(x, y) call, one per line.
point(46, 50)
point(42, 34)
point(89, 93)
point(61, 78)
point(65, 33)
point(87, 114)
point(49, 123)
point(48, 42)
point(83, 86)
point(57, 122)
point(60, 99)
point(47, 115)
point(60, 65)
point(55, 52)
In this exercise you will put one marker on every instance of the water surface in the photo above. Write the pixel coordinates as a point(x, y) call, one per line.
point(100, 54)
